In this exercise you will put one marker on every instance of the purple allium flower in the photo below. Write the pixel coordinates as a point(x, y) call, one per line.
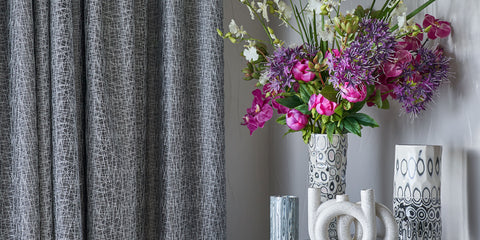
point(357, 64)
point(282, 63)
point(419, 81)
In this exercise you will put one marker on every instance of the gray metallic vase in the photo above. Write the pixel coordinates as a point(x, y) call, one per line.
point(327, 168)
point(416, 194)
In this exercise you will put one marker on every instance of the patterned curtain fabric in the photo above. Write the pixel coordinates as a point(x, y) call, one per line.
point(111, 120)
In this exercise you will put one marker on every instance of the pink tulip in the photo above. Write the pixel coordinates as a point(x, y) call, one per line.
point(439, 29)
point(301, 71)
point(296, 120)
point(353, 93)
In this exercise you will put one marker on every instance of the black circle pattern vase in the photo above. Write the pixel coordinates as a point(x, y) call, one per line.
point(416, 194)
point(327, 168)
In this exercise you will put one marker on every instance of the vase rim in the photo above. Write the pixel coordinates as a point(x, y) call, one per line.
point(417, 145)
point(283, 196)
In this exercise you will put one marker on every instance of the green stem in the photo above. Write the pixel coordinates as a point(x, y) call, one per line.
point(371, 7)
point(295, 11)
point(261, 21)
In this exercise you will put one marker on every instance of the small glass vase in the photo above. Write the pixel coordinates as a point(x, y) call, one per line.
point(416, 194)
point(327, 168)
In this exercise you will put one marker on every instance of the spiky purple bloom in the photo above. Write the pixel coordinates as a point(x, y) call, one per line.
point(420, 80)
point(357, 64)
point(282, 63)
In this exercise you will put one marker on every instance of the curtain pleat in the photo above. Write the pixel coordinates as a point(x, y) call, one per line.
point(111, 120)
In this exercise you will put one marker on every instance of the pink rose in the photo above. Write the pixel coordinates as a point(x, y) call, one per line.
point(353, 93)
point(301, 71)
point(323, 105)
point(296, 120)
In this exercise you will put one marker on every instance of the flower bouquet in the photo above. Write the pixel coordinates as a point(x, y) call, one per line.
point(346, 62)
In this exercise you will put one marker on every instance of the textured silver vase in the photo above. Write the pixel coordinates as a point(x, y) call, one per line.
point(283, 218)
point(327, 168)
point(416, 195)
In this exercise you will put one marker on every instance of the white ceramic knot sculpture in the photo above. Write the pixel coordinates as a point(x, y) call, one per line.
point(363, 214)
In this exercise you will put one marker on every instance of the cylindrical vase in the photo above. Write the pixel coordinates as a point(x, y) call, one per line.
point(283, 218)
point(416, 194)
point(327, 168)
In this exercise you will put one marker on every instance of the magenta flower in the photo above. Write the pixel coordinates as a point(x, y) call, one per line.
point(439, 29)
point(352, 93)
point(296, 120)
point(259, 113)
point(301, 71)
point(395, 68)
point(322, 105)
point(410, 43)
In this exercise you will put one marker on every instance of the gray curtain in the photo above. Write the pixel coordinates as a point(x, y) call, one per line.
point(111, 120)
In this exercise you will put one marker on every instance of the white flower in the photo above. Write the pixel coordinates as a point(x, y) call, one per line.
point(315, 5)
point(263, 79)
point(284, 10)
point(400, 9)
point(402, 20)
point(235, 30)
point(263, 9)
point(250, 54)
point(328, 34)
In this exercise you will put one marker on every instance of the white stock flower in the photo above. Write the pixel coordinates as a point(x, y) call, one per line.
point(250, 53)
point(263, 9)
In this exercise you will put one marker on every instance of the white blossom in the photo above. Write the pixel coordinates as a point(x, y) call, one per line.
point(235, 30)
point(284, 10)
point(263, 9)
point(263, 79)
point(251, 54)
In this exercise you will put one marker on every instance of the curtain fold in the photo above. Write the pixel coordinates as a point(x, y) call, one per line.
point(111, 120)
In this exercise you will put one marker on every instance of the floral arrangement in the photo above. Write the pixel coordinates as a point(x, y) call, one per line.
point(346, 61)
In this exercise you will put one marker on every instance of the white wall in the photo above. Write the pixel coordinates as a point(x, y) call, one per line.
point(268, 164)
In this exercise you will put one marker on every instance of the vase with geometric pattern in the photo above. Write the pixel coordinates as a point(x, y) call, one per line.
point(327, 168)
point(416, 194)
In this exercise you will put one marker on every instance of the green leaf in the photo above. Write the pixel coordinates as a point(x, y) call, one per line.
point(339, 109)
point(304, 93)
point(290, 102)
point(385, 104)
point(364, 119)
point(329, 93)
point(352, 125)
point(289, 131)
point(378, 99)
point(306, 135)
point(303, 109)
point(330, 130)
point(282, 120)
point(356, 107)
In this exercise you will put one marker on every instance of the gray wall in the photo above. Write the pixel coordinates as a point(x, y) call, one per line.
point(268, 164)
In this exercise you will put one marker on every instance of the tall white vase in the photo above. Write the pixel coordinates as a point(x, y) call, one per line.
point(416, 195)
point(327, 169)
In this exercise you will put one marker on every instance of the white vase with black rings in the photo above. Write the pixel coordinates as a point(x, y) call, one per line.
point(417, 191)
point(327, 168)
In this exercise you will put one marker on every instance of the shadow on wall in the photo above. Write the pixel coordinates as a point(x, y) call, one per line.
point(473, 193)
